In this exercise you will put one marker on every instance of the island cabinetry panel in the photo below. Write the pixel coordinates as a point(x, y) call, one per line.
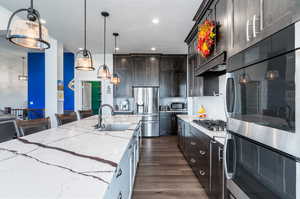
point(123, 67)
point(122, 184)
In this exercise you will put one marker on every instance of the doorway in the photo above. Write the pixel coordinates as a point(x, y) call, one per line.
point(91, 95)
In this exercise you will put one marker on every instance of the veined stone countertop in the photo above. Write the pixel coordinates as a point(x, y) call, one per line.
point(219, 136)
point(71, 161)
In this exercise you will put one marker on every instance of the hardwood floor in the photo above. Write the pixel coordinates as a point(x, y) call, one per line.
point(163, 172)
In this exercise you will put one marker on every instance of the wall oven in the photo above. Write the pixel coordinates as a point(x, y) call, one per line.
point(263, 144)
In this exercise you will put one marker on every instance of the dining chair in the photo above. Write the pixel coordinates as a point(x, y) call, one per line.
point(28, 127)
point(85, 113)
point(8, 130)
point(65, 118)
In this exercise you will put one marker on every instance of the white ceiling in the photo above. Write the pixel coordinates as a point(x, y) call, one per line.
point(131, 18)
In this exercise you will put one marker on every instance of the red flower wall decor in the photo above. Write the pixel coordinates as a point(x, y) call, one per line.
point(206, 38)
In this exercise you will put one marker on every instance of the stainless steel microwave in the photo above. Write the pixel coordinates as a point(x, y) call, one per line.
point(262, 92)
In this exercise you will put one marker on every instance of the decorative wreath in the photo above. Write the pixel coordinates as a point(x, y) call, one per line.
point(206, 37)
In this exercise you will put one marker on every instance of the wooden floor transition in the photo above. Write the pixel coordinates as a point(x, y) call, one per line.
point(163, 172)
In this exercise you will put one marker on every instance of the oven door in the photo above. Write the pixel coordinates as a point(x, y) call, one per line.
point(256, 172)
point(260, 102)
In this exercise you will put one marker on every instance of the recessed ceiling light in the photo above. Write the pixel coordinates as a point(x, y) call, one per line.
point(117, 48)
point(43, 21)
point(155, 21)
point(153, 49)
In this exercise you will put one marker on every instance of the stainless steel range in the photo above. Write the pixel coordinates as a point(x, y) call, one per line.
point(212, 125)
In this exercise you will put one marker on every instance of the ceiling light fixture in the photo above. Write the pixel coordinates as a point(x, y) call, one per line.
point(29, 33)
point(103, 71)
point(84, 59)
point(43, 21)
point(115, 79)
point(117, 49)
point(153, 49)
point(23, 77)
point(155, 21)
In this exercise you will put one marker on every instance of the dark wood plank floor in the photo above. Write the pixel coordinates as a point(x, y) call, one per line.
point(163, 172)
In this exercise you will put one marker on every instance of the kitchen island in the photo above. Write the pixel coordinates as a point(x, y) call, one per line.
point(72, 161)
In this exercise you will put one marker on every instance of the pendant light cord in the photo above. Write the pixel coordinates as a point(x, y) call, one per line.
point(31, 4)
point(104, 40)
point(85, 26)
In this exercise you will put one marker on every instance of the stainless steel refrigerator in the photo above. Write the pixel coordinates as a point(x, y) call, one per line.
point(146, 101)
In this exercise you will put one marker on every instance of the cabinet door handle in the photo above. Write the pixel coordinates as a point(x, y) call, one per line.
point(193, 160)
point(202, 172)
point(193, 143)
point(120, 196)
point(202, 152)
point(247, 30)
point(119, 173)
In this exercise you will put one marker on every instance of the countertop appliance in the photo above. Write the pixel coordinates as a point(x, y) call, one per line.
point(212, 125)
point(177, 106)
point(146, 100)
point(261, 152)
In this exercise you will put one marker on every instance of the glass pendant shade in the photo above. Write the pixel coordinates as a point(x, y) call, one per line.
point(84, 61)
point(23, 77)
point(29, 33)
point(115, 79)
point(272, 75)
point(244, 79)
point(103, 73)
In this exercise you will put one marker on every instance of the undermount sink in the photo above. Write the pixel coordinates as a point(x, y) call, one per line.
point(115, 127)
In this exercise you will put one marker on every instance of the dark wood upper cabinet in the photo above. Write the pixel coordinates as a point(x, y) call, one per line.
point(166, 71)
point(123, 67)
point(145, 70)
point(173, 76)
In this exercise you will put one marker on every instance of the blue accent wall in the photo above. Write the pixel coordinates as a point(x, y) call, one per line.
point(69, 60)
point(36, 81)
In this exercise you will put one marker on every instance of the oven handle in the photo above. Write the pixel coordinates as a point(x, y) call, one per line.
point(229, 76)
point(229, 175)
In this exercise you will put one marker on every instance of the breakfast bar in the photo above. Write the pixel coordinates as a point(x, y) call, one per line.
point(71, 161)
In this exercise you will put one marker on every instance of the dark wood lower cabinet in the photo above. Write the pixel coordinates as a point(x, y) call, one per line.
point(204, 156)
point(217, 174)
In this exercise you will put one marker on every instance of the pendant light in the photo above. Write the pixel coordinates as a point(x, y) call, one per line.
point(84, 59)
point(29, 33)
point(103, 71)
point(115, 79)
point(23, 77)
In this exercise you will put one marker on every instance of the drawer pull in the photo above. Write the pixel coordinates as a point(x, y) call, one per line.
point(193, 143)
point(120, 195)
point(119, 173)
point(202, 152)
point(202, 172)
point(193, 160)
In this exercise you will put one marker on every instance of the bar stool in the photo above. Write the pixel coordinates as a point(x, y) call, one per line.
point(85, 113)
point(28, 127)
point(65, 118)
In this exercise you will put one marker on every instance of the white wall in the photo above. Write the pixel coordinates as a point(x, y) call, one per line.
point(13, 92)
point(53, 64)
point(92, 76)
point(214, 105)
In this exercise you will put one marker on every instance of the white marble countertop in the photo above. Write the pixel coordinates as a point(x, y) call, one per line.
point(219, 136)
point(71, 161)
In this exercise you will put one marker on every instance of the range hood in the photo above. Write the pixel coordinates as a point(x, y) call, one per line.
point(215, 64)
